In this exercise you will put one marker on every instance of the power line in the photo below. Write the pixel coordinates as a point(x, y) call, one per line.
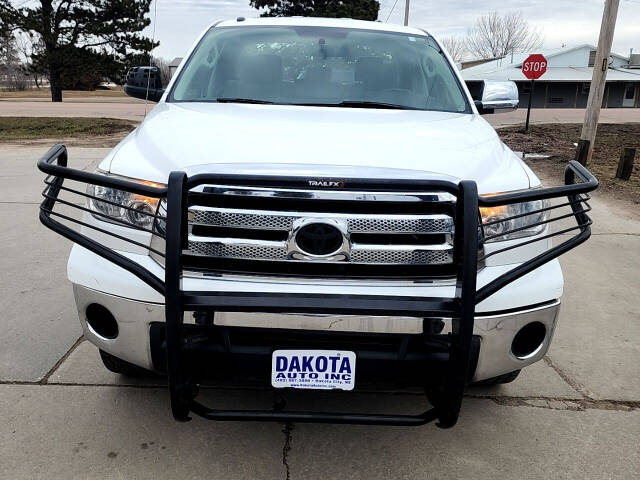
point(153, 39)
point(392, 8)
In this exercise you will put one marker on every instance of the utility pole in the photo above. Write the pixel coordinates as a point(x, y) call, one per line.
point(406, 14)
point(598, 82)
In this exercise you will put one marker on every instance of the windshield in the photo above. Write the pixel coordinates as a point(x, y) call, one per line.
point(320, 66)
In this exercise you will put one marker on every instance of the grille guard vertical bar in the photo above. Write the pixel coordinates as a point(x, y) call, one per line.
point(176, 222)
point(466, 242)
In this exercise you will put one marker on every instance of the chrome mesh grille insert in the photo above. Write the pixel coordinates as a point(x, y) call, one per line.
point(226, 218)
point(399, 225)
point(416, 257)
point(359, 254)
point(215, 249)
point(356, 223)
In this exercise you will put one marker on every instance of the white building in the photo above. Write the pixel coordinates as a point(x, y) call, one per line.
point(567, 80)
point(173, 66)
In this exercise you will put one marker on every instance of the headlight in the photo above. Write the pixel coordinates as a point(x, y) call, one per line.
point(521, 217)
point(122, 207)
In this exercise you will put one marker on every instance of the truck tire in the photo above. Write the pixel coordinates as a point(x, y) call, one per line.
point(500, 379)
point(117, 365)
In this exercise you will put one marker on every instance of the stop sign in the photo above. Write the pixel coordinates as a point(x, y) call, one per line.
point(534, 66)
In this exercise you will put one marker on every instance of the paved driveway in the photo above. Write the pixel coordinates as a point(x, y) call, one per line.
point(574, 415)
point(128, 110)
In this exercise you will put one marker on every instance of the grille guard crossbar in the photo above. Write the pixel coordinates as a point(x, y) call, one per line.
point(446, 401)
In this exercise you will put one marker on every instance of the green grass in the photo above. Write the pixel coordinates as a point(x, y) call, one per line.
point(31, 128)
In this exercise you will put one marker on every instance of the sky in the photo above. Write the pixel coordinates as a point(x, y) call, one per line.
point(570, 22)
point(563, 22)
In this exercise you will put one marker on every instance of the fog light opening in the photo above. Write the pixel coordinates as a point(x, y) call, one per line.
point(101, 321)
point(528, 341)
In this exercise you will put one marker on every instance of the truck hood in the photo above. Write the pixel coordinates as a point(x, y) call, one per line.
point(317, 141)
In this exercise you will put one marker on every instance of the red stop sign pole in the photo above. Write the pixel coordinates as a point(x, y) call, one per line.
point(533, 68)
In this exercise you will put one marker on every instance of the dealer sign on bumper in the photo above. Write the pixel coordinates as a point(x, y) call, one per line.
point(313, 369)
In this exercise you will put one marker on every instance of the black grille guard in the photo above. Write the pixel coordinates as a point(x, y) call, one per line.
point(446, 404)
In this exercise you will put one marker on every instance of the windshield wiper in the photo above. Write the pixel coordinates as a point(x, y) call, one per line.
point(363, 104)
point(345, 103)
point(366, 104)
point(243, 100)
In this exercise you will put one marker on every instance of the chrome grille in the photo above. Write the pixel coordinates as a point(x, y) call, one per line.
point(260, 235)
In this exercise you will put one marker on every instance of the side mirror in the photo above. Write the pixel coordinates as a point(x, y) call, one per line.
point(498, 97)
point(139, 79)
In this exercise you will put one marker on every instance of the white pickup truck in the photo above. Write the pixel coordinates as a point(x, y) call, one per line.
point(317, 204)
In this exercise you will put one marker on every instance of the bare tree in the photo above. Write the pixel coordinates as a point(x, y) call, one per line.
point(455, 46)
point(163, 66)
point(12, 72)
point(27, 46)
point(495, 35)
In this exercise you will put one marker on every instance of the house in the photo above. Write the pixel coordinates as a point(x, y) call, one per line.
point(173, 66)
point(567, 79)
point(478, 61)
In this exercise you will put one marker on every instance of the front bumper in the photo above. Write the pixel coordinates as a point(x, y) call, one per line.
point(495, 332)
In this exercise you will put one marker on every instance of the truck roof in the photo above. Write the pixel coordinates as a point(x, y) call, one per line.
point(321, 22)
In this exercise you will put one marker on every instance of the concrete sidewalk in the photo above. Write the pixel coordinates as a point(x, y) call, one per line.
point(562, 115)
point(134, 110)
point(574, 415)
point(94, 99)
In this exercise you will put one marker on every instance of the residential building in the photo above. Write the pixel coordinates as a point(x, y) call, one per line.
point(173, 66)
point(567, 79)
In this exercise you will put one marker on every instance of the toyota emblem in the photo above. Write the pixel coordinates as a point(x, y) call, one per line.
point(319, 239)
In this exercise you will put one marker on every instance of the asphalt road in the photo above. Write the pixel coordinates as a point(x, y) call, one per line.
point(574, 415)
point(106, 108)
point(129, 109)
